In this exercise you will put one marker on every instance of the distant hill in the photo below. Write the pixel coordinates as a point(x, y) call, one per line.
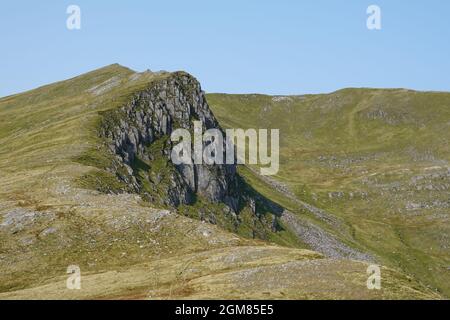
point(377, 159)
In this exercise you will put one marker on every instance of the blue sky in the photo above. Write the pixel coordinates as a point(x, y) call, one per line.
point(246, 46)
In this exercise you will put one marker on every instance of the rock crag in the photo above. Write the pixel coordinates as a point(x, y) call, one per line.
point(150, 117)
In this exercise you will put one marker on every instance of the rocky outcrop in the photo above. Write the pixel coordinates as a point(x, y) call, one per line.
point(149, 117)
point(322, 241)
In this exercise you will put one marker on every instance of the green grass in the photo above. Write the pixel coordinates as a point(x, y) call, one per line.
point(372, 141)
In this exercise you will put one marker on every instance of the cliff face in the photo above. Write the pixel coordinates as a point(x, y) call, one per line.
point(148, 119)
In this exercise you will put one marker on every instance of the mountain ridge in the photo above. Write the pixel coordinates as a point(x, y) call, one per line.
point(49, 219)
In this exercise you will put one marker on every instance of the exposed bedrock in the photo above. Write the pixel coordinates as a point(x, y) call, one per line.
point(151, 115)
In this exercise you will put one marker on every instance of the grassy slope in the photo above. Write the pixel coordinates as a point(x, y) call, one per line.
point(126, 248)
point(379, 159)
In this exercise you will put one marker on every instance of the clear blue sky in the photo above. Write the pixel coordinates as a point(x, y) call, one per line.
point(245, 46)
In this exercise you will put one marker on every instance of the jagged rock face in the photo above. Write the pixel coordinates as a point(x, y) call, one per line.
point(151, 115)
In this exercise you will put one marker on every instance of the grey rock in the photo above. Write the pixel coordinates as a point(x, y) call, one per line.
point(322, 241)
point(155, 113)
